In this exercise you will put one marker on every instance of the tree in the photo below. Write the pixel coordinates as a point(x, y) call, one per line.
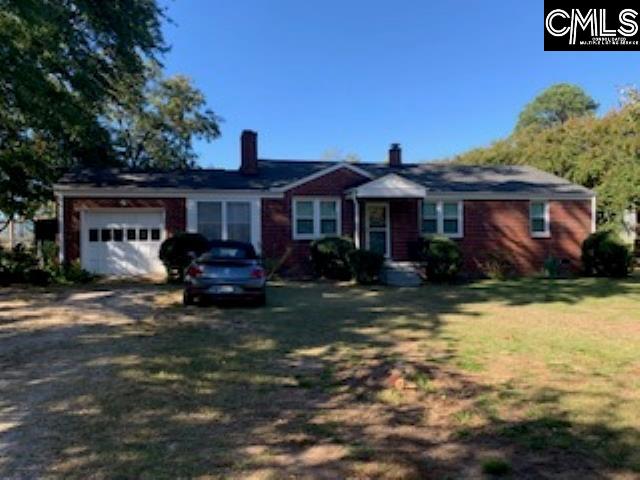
point(556, 105)
point(600, 153)
point(153, 125)
point(60, 61)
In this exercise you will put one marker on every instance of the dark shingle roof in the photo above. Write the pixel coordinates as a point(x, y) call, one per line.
point(453, 178)
point(274, 174)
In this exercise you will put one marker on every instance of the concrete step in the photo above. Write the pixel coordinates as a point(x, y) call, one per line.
point(401, 274)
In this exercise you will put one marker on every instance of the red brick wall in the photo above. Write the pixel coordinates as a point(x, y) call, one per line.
point(175, 215)
point(276, 217)
point(504, 226)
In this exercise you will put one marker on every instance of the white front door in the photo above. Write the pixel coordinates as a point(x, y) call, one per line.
point(377, 228)
point(121, 242)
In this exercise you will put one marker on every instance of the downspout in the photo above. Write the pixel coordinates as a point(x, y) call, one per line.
point(593, 214)
point(356, 220)
point(60, 206)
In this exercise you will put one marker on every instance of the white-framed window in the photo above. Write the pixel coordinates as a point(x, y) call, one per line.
point(539, 218)
point(316, 217)
point(442, 217)
point(224, 220)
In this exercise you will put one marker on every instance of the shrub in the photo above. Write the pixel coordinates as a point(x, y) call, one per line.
point(330, 257)
point(443, 258)
point(21, 265)
point(15, 264)
point(38, 276)
point(73, 272)
point(365, 266)
point(552, 266)
point(177, 252)
point(50, 256)
point(605, 255)
point(496, 265)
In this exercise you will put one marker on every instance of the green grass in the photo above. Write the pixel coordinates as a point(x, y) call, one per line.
point(496, 466)
point(300, 388)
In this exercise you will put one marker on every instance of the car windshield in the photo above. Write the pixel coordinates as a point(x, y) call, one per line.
point(232, 252)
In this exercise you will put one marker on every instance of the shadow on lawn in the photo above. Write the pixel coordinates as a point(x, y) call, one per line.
point(297, 389)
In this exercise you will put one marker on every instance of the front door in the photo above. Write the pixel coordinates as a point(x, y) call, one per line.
point(377, 228)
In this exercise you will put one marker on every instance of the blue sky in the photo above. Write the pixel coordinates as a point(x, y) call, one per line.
point(353, 76)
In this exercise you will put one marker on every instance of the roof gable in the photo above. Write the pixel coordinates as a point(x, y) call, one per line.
point(321, 173)
point(391, 185)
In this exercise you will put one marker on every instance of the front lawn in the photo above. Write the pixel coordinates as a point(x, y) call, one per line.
point(523, 378)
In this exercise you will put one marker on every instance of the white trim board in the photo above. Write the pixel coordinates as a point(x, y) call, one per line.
point(98, 192)
point(508, 196)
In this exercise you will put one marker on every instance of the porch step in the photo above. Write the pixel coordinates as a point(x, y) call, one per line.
point(400, 274)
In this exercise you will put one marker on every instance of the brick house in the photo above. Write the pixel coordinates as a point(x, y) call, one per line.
point(114, 221)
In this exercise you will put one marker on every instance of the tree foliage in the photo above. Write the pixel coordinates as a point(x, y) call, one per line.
point(154, 123)
point(556, 105)
point(601, 153)
point(60, 61)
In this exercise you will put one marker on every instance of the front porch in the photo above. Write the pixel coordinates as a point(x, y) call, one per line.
point(387, 217)
point(387, 220)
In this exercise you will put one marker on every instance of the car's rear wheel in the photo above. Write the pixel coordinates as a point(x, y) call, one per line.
point(187, 299)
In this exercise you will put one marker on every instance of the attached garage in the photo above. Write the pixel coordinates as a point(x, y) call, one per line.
point(122, 242)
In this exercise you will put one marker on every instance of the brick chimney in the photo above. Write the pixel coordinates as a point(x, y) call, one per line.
point(395, 155)
point(249, 152)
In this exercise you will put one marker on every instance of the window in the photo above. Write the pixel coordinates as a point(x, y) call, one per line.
point(117, 234)
point(131, 234)
point(93, 234)
point(143, 234)
point(314, 218)
point(239, 221)
point(210, 220)
point(539, 219)
point(105, 235)
point(155, 234)
point(304, 218)
point(429, 218)
point(442, 218)
point(225, 220)
point(450, 220)
point(328, 217)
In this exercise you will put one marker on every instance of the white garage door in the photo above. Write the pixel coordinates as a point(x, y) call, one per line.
point(122, 242)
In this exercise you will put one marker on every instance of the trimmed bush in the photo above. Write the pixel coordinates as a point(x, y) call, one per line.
point(605, 255)
point(177, 252)
point(365, 266)
point(330, 257)
point(442, 257)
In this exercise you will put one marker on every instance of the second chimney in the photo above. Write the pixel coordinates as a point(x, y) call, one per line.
point(395, 155)
point(249, 152)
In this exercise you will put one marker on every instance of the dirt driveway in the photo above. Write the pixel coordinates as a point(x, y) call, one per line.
point(121, 381)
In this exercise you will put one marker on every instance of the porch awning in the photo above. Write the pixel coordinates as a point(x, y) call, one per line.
point(389, 186)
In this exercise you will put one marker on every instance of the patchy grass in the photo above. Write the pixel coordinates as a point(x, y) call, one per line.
point(496, 466)
point(328, 381)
